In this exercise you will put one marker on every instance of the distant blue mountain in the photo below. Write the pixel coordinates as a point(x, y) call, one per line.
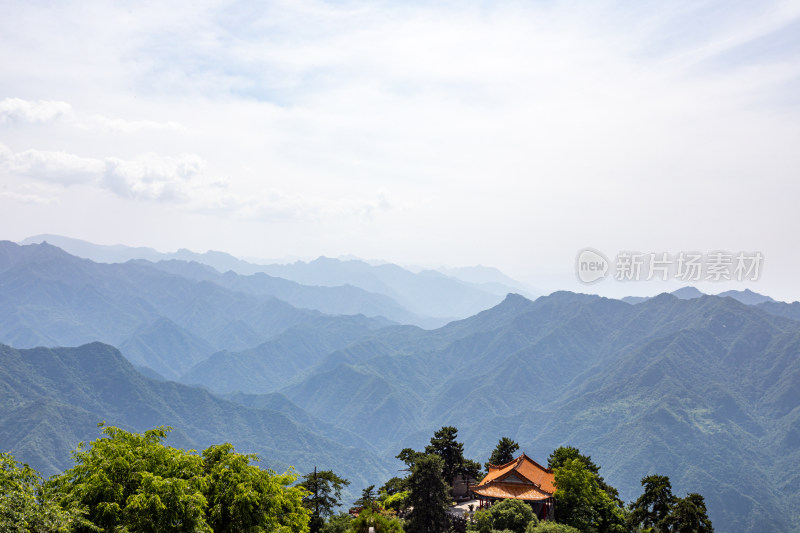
point(698, 389)
point(54, 398)
point(704, 389)
point(428, 298)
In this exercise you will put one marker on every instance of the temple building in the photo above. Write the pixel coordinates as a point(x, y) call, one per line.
point(521, 479)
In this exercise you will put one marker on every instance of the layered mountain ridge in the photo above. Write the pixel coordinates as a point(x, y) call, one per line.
point(704, 389)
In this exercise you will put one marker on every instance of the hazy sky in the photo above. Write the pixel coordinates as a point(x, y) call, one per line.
point(510, 134)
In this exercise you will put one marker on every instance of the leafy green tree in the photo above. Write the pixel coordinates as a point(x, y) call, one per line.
point(444, 444)
point(576, 490)
point(132, 482)
point(514, 515)
point(564, 453)
point(429, 496)
point(324, 495)
point(688, 515)
point(471, 469)
point(582, 504)
point(24, 506)
point(659, 511)
point(371, 517)
point(244, 498)
point(397, 502)
point(482, 521)
point(655, 503)
point(503, 453)
point(340, 523)
point(409, 456)
point(393, 486)
point(367, 499)
point(550, 527)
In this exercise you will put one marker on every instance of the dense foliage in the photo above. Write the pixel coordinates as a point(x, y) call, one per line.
point(503, 452)
point(444, 444)
point(324, 495)
point(657, 510)
point(429, 496)
point(677, 381)
point(582, 503)
point(24, 506)
point(508, 515)
point(133, 482)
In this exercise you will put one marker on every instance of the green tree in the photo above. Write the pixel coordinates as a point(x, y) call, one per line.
point(550, 527)
point(471, 469)
point(444, 444)
point(397, 502)
point(371, 517)
point(393, 486)
point(132, 482)
point(576, 490)
point(340, 523)
point(688, 515)
point(367, 499)
point(655, 503)
point(324, 495)
point(503, 453)
point(582, 504)
point(482, 521)
point(244, 498)
point(514, 515)
point(429, 496)
point(409, 456)
point(564, 453)
point(24, 506)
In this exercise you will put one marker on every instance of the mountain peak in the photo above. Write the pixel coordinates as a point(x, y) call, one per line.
point(687, 293)
point(746, 296)
point(512, 298)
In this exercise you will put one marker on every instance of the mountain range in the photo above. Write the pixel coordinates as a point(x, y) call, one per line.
point(704, 389)
point(427, 298)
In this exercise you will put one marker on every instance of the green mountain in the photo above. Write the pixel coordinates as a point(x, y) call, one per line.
point(273, 364)
point(53, 398)
point(428, 298)
point(336, 300)
point(704, 389)
point(428, 293)
point(167, 322)
point(165, 346)
point(700, 389)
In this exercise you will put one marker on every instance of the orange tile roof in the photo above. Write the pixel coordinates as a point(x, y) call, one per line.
point(517, 491)
point(522, 479)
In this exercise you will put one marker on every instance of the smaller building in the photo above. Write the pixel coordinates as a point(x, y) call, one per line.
point(521, 479)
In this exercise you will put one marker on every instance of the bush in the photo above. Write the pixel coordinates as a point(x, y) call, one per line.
point(513, 515)
point(550, 527)
point(481, 522)
point(371, 518)
point(339, 523)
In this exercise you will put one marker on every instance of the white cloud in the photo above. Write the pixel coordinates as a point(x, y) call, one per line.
point(148, 177)
point(101, 122)
point(17, 110)
point(486, 125)
point(181, 180)
point(152, 177)
point(28, 198)
point(55, 167)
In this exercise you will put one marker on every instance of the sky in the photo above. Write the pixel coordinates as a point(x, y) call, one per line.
point(510, 134)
